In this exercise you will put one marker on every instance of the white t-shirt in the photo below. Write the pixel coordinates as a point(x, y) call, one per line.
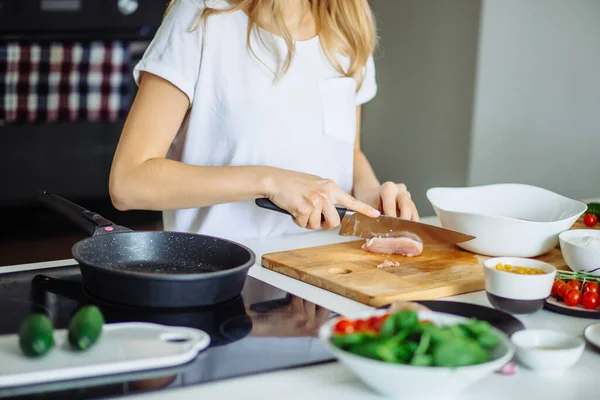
point(240, 116)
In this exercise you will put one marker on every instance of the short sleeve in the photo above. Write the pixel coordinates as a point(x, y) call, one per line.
point(174, 53)
point(368, 90)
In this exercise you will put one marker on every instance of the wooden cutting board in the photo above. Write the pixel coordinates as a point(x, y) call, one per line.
point(346, 269)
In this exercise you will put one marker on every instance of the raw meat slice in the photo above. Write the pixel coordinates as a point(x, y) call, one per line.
point(388, 263)
point(403, 245)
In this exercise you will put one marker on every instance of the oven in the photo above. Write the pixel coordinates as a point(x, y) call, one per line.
point(72, 158)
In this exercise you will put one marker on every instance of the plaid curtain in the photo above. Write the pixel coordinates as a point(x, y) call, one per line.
point(64, 82)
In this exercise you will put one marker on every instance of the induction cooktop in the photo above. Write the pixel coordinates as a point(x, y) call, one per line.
point(263, 329)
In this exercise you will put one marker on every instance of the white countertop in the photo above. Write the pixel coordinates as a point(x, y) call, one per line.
point(334, 381)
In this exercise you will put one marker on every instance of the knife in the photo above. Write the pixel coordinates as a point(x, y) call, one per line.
point(360, 225)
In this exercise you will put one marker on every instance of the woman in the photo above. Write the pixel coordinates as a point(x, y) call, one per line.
point(244, 99)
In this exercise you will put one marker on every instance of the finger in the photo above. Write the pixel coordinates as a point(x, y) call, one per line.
point(314, 221)
point(301, 221)
point(300, 217)
point(406, 210)
point(322, 315)
point(388, 199)
point(332, 218)
point(353, 204)
point(406, 207)
point(415, 214)
point(297, 305)
point(310, 311)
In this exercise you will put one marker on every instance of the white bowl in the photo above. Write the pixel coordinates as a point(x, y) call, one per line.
point(507, 219)
point(592, 335)
point(577, 257)
point(547, 351)
point(516, 293)
point(412, 382)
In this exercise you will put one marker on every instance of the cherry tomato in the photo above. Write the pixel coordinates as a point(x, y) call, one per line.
point(573, 297)
point(362, 325)
point(375, 323)
point(575, 285)
point(344, 326)
point(590, 220)
point(556, 285)
point(590, 287)
point(590, 300)
point(563, 289)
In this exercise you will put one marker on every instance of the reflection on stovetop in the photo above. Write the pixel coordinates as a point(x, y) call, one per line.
point(263, 329)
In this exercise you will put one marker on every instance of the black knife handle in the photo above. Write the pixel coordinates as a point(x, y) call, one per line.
point(269, 205)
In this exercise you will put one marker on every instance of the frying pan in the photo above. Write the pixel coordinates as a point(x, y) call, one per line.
point(153, 269)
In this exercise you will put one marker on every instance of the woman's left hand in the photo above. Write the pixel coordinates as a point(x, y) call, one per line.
point(391, 199)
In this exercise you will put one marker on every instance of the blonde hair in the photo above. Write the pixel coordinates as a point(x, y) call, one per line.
point(345, 27)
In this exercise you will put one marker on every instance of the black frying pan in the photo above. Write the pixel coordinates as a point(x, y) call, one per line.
point(154, 269)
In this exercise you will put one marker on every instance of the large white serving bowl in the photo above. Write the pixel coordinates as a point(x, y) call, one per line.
point(507, 219)
point(409, 382)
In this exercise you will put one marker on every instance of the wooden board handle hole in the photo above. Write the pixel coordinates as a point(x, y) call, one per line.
point(339, 271)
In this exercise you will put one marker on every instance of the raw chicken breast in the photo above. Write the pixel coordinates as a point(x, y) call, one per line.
point(403, 245)
point(388, 264)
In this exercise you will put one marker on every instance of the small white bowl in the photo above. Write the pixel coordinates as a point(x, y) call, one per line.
point(592, 335)
point(516, 293)
point(506, 219)
point(579, 258)
point(547, 351)
point(410, 382)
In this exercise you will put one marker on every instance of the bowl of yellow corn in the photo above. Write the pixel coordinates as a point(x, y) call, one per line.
point(518, 285)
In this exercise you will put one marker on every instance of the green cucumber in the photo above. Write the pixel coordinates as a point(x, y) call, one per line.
point(593, 208)
point(85, 327)
point(36, 335)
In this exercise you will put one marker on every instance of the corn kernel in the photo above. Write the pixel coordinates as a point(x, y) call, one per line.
point(518, 269)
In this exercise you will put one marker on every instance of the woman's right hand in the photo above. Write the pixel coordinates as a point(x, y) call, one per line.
point(306, 197)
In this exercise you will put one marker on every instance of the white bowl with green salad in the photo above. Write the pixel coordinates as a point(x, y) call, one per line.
point(417, 355)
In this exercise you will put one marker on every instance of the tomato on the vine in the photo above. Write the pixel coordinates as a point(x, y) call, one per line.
point(575, 284)
point(563, 289)
point(590, 220)
point(591, 287)
point(344, 326)
point(590, 300)
point(556, 285)
point(573, 297)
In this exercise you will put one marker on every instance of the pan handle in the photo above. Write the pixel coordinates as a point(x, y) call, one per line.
point(90, 222)
point(42, 284)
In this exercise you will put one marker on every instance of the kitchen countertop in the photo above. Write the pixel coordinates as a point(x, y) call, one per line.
point(335, 381)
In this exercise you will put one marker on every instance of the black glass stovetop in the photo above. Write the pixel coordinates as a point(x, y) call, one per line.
point(264, 329)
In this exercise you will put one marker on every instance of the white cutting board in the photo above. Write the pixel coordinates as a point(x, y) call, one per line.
point(123, 347)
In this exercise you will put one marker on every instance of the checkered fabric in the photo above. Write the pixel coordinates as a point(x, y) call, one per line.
point(64, 82)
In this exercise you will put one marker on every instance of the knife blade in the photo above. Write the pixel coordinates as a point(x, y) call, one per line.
point(360, 225)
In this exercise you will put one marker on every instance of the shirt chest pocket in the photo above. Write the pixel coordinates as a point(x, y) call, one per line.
point(338, 98)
